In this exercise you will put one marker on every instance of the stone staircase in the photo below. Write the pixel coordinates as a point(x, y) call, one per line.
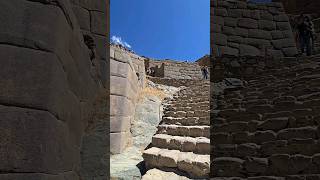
point(270, 129)
point(182, 142)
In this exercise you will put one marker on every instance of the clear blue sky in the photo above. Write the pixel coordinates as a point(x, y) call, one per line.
point(173, 29)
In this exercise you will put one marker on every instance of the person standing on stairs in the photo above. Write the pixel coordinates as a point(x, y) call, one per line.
point(204, 72)
point(305, 35)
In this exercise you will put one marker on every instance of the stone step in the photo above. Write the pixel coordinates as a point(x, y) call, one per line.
point(187, 121)
point(187, 108)
point(156, 174)
point(198, 145)
point(196, 165)
point(260, 137)
point(192, 131)
point(190, 100)
point(190, 104)
point(182, 114)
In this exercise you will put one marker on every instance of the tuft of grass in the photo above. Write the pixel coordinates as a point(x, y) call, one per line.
point(149, 91)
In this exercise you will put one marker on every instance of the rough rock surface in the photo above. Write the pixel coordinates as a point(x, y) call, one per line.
point(148, 112)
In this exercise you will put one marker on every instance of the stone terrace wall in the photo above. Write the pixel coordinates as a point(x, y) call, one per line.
point(246, 29)
point(243, 67)
point(176, 70)
point(48, 85)
point(124, 88)
point(269, 128)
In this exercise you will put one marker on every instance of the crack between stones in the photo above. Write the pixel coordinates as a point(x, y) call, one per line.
point(31, 108)
point(60, 5)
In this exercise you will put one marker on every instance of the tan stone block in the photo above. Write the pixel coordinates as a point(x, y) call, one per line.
point(119, 142)
point(168, 158)
point(120, 123)
point(121, 106)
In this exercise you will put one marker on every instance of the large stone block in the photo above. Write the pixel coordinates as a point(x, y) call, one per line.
point(98, 23)
point(228, 30)
point(267, 25)
point(246, 50)
point(235, 13)
point(123, 87)
point(56, 36)
point(253, 14)
point(229, 51)
point(83, 17)
point(260, 34)
point(229, 21)
point(101, 46)
point(290, 52)
point(235, 39)
point(281, 18)
point(241, 32)
point(248, 23)
point(258, 43)
point(43, 87)
point(121, 106)
point(265, 15)
point(122, 70)
point(120, 123)
point(35, 141)
point(119, 142)
point(283, 26)
point(94, 5)
point(94, 149)
point(283, 43)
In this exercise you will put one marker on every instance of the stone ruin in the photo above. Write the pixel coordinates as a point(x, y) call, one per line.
point(169, 69)
point(128, 79)
point(54, 85)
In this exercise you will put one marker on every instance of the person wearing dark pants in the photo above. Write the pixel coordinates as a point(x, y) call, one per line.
point(305, 35)
point(204, 72)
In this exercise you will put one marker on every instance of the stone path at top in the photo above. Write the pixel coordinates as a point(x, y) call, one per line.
point(182, 143)
point(269, 129)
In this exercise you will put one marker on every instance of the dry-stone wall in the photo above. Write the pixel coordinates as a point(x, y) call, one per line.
point(267, 127)
point(127, 79)
point(176, 70)
point(239, 28)
point(49, 81)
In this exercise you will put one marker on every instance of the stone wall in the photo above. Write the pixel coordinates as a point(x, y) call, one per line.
point(124, 88)
point(268, 127)
point(175, 69)
point(247, 29)
point(49, 84)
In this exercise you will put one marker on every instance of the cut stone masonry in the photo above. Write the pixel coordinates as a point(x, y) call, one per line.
point(182, 143)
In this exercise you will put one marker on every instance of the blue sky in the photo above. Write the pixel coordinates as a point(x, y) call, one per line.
point(173, 29)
